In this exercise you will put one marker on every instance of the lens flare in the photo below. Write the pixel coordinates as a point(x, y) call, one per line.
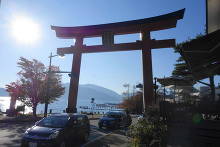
point(25, 30)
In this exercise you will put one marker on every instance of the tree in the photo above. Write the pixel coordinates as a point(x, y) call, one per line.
point(15, 91)
point(181, 69)
point(33, 77)
point(92, 100)
point(55, 88)
point(133, 104)
point(93, 105)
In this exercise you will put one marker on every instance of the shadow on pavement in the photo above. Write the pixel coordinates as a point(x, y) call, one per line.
point(108, 137)
point(11, 133)
point(113, 140)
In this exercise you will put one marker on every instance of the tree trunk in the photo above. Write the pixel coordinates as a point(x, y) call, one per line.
point(34, 108)
point(12, 103)
point(11, 110)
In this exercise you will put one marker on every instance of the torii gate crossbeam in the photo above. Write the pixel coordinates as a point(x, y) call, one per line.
point(107, 32)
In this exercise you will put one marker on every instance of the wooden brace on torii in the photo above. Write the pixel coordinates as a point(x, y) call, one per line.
point(107, 32)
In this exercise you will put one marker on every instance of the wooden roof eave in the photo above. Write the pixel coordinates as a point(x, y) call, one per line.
point(172, 81)
point(203, 57)
point(135, 26)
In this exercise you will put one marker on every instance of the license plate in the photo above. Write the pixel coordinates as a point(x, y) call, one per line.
point(32, 144)
point(104, 124)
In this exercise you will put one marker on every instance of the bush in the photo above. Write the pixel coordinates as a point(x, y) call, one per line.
point(20, 108)
point(149, 131)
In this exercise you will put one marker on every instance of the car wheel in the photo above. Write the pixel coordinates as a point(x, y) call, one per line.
point(63, 144)
point(117, 126)
point(23, 144)
point(85, 137)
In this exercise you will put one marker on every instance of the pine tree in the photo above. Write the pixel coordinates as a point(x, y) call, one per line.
point(181, 69)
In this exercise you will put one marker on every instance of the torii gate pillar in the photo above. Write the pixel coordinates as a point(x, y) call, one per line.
point(147, 70)
point(74, 78)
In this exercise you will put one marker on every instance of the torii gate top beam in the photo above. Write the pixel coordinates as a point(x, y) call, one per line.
point(135, 26)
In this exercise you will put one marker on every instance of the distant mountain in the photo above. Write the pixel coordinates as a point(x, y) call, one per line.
point(3, 92)
point(101, 94)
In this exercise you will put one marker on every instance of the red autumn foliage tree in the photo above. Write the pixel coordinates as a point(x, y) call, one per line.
point(15, 90)
point(133, 104)
point(32, 76)
point(34, 79)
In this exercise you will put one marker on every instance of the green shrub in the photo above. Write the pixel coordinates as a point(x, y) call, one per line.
point(149, 131)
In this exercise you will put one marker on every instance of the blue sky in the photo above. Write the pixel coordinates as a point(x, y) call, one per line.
point(110, 70)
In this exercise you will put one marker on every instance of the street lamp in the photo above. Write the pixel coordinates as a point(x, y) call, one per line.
point(128, 86)
point(93, 105)
point(48, 81)
point(155, 90)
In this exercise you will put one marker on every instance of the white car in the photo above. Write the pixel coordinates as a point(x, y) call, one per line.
point(140, 117)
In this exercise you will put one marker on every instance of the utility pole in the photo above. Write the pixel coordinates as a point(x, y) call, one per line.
point(48, 82)
point(164, 92)
point(134, 87)
point(48, 86)
point(128, 86)
point(155, 90)
point(211, 78)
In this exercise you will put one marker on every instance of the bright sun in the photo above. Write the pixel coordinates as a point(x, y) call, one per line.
point(25, 30)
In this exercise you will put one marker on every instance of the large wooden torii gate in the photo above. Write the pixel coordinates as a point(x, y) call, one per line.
point(107, 32)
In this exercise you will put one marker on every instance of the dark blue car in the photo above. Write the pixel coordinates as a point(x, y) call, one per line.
point(115, 120)
point(57, 131)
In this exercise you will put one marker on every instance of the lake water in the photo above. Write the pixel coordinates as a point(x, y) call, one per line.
point(57, 106)
point(5, 103)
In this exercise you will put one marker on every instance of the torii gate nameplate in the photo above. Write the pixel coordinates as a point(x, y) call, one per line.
point(107, 32)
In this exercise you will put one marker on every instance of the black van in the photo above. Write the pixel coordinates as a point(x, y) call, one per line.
point(58, 130)
point(115, 120)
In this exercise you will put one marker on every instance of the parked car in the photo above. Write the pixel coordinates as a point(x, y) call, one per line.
point(58, 130)
point(115, 120)
point(140, 117)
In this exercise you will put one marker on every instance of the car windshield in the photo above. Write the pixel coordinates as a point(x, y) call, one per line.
point(54, 121)
point(113, 115)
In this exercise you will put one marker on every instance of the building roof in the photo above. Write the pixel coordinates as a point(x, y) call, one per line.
point(175, 80)
point(202, 55)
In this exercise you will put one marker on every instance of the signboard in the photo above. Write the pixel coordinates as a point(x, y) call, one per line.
point(213, 15)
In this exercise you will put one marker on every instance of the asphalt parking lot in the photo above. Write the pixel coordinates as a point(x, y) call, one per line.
point(11, 133)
